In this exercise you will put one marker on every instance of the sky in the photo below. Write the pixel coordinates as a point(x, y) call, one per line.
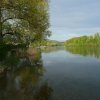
point(73, 18)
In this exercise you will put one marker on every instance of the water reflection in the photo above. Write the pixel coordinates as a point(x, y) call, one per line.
point(85, 51)
point(21, 72)
point(53, 74)
point(72, 76)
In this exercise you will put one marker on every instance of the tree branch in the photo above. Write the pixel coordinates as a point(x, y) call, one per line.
point(9, 33)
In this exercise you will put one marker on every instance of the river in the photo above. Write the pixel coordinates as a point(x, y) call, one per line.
point(54, 73)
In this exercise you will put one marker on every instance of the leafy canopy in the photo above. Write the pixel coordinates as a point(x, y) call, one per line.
point(30, 18)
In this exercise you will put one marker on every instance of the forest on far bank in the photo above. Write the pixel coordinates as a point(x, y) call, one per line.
point(92, 40)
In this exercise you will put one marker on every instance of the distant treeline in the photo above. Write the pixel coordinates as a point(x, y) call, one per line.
point(51, 43)
point(47, 43)
point(93, 40)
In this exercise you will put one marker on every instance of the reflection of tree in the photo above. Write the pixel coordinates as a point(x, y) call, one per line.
point(25, 84)
point(85, 51)
point(16, 58)
point(3, 53)
point(44, 93)
point(22, 80)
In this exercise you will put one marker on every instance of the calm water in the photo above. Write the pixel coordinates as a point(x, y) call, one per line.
point(56, 73)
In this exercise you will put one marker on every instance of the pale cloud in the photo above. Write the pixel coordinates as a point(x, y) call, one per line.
point(71, 18)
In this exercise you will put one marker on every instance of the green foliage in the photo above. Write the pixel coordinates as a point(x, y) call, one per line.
point(47, 42)
point(29, 19)
point(50, 43)
point(84, 41)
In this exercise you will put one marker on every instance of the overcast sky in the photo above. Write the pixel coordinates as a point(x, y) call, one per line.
point(71, 18)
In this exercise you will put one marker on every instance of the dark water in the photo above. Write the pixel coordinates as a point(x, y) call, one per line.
point(56, 73)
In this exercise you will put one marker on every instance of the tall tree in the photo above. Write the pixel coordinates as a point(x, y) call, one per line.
point(28, 15)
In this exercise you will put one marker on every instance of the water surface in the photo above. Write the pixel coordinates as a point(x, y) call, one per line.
point(55, 73)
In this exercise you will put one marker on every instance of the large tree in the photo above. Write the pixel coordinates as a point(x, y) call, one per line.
point(27, 17)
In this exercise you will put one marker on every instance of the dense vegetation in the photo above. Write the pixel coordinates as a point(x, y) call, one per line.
point(23, 21)
point(51, 43)
point(46, 43)
point(84, 41)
